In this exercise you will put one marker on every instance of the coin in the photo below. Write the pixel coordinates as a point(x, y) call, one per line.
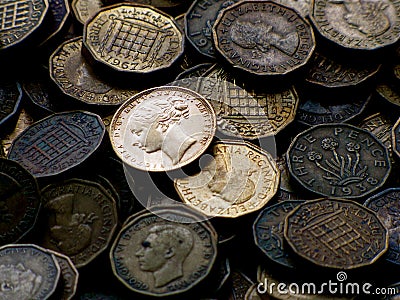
point(386, 206)
point(199, 20)
point(357, 24)
point(38, 91)
point(76, 78)
point(338, 160)
point(19, 201)
point(133, 38)
point(10, 97)
point(162, 129)
point(162, 256)
point(263, 37)
point(84, 10)
point(240, 285)
point(56, 18)
point(389, 92)
point(339, 234)
point(195, 71)
point(20, 18)
point(27, 272)
point(396, 137)
point(268, 232)
point(252, 294)
point(303, 7)
point(160, 3)
point(57, 143)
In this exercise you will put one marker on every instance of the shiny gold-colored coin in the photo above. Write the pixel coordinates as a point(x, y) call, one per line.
point(162, 129)
point(76, 78)
point(85, 9)
point(133, 38)
point(241, 179)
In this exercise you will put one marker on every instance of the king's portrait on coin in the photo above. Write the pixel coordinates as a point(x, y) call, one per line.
point(164, 251)
point(155, 127)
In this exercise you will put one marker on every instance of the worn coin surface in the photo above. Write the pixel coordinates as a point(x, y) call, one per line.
point(396, 137)
point(19, 201)
point(38, 91)
point(76, 78)
point(338, 160)
point(389, 92)
point(56, 17)
point(386, 205)
point(19, 19)
point(162, 128)
point(81, 218)
point(303, 7)
point(10, 98)
point(358, 24)
point(58, 143)
point(84, 10)
point(268, 232)
point(336, 233)
point(263, 37)
point(27, 272)
point(162, 256)
point(240, 179)
point(133, 38)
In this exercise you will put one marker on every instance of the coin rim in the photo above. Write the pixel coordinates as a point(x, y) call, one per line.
point(17, 103)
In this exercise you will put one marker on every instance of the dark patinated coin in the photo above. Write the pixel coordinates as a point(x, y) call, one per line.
point(268, 231)
point(389, 91)
point(337, 233)
point(339, 161)
point(386, 205)
point(27, 272)
point(56, 18)
point(58, 142)
point(81, 219)
point(396, 137)
point(263, 37)
point(38, 92)
point(10, 97)
point(19, 201)
point(199, 21)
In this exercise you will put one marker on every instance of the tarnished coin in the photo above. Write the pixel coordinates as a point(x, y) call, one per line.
point(19, 19)
point(38, 91)
point(263, 37)
point(336, 233)
point(268, 232)
point(389, 92)
point(19, 201)
point(162, 128)
point(328, 71)
point(396, 137)
point(339, 161)
point(58, 143)
point(10, 97)
point(358, 24)
point(56, 18)
point(161, 256)
point(84, 10)
point(386, 205)
point(199, 20)
point(241, 179)
point(27, 272)
point(133, 38)
point(76, 78)
point(252, 294)
point(240, 285)
point(81, 219)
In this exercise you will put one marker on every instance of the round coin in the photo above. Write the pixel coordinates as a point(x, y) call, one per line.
point(27, 272)
point(19, 201)
point(339, 161)
point(162, 256)
point(84, 10)
point(58, 143)
point(162, 129)
point(240, 179)
point(263, 37)
point(396, 137)
point(358, 24)
point(82, 218)
point(386, 205)
point(133, 38)
point(336, 233)
point(76, 78)
point(10, 97)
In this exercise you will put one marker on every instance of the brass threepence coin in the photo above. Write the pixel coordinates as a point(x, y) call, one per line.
point(84, 10)
point(389, 91)
point(396, 137)
point(27, 272)
point(336, 233)
point(19, 19)
point(263, 37)
point(386, 205)
point(160, 3)
point(303, 7)
point(81, 219)
point(163, 255)
point(19, 201)
point(241, 178)
point(252, 294)
point(56, 18)
point(76, 78)
point(268, 232)
point(162, 129)
point(339, 161)
point(10, 97)
point(133, 38)
point(358, 24)
point(58, 143)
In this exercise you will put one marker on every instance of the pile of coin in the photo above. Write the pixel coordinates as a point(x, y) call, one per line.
point(200, 149)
